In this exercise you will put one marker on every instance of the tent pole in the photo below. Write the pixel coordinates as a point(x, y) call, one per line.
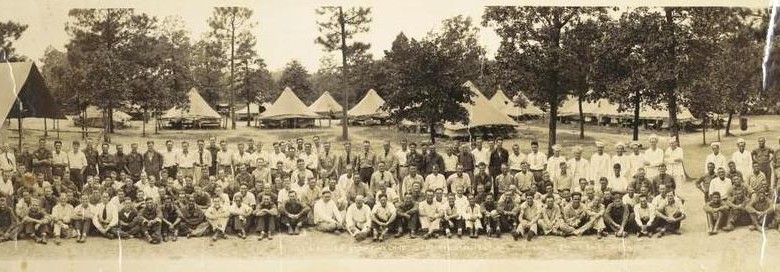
point(19, 122)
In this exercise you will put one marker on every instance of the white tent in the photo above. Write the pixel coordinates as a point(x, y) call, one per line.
point(605, 108)
point(481, 114)
point(369, 106)
point(198, 108)
point(253, 108)
point(118, 116)
point(287, 106)
point(508, 106)
point(326, 105)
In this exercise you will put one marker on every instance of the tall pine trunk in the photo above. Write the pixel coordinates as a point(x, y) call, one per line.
point(432, 131)
point(143, 124)
point(637, 100)
point(582, 117)
point(344, 120)
point(672, 84)
point(728, 123)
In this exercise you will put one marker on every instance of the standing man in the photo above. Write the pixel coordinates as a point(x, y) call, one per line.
point(498, 157)
point(388, 158)
point(203, 160)
point(579, 166)
point(742, 159)
point(106, 162)
point(600, 163)
point(673, 158)
point(516, 159)
point(120, 159)
point(716, 157)
point(170, 158)
point(186, 160)
point(134, 163)
point(481, 154)
point(467, 162)
point(213, 150)
point(153, 160)
point(554, 162)
point(225, 159)
point(622, 159)
point(400, 157)
point(764, 157)
point(7, 160)
point(77, 162)
point(328, 162)
point(536, 161)
point(654, 157)
point(415, 159)
point(42, 160)
point(59, 159)
point(433, 158)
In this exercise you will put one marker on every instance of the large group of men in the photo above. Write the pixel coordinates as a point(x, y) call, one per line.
point(470, 189)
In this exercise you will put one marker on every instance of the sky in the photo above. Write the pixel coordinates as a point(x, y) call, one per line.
point(285, 30)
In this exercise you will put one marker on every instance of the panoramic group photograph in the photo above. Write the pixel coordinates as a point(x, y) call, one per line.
point(388, 135)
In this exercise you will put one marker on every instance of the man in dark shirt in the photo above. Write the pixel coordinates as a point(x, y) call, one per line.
point(194, 222)
point(482, 177)
point(36, 223)
point(414, 158)
point(498, 157)
point(120, 159)
point(433, 158)
point(267, 215)
point(106, 162)
point(213, 148)
point(9, 225)
point(407, 216)
point(133, 163)
point(129, 221)
point(24, 157)
point(616, 216)
point(153, 160)
point(171, 218)
point(294, 214)
point(41, 160)
point(703, 183)
point(151, 222)
point(92, 158)
point(466, 159)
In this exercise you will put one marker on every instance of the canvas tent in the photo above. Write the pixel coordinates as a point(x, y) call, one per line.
point(326, 105)
point(254, 110)
point(197, 114)
point(508, 106)
point(482, 115)
point(23, 80)
point(288, 111)
point(95, 118)
point(603, 108)
point(369, 107)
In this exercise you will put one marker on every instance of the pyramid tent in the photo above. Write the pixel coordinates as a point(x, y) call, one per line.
point(119, 116)
point(481, 112)
point(369, 106)
point(288, 105)
point(198, 108)
point(650, 113)
point(602, 107)
point(326, 105)
point(508, 106)
point(23, 80)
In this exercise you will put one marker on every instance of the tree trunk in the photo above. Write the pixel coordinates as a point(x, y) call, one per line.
point(143, 124)
point(45, 128)
point(232, 69)
point(728, 124)
point(432, 131)
point(156, 123)
point(84, 123)
point(582, 117)
point(554, 87)
point(111, 119)
point(637, 100)
point(672, 85)
point(345, 119)
point(704, 131)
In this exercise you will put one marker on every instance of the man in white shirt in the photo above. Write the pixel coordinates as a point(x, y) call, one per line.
point(716, 157)
point(481, 154)
point(450, 161)
point(435, 180)
point(721, 184)
point(654, 157)
point(358, 219)
point(600, 163)
point(622, 159)
point(617, 181)
point(310, 159)
point(578, 166)
point(327, 217)
point(516, 159)
point(225, 158)
point(644, 215)
point(77, 162)
point(105, 217)
point(170, 158)
point(742, 158)
point(673, 156)
point(636, 159)
point(400, 156)
point(186, 160)
point(536, 161)
point(554, 162)
point(59, 159)
point(383, 215)
point(7, 159)
point(382, 177)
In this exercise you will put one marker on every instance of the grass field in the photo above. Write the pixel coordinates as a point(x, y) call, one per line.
point(740, 250)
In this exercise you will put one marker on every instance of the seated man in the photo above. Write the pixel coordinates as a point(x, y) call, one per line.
point(9, 225)
point(358, 219)
point(430, 216)
point(408, 216)
point(491, 217)
point(294, 213)
point(82, 219)
point(217, 216)
point(761, 211)
point(150, 221)
point(266, 213)
point(383, 215)
point(105, 217)
point(452, 220)
point(472, 215)
point(327, 217)
point(129, 221)
point(616, 216)
point(595, 211)
point(528, 218)
point(194, 222)
point(738, 215)
point(171, 219)
point(36, 223)
point(507, 209)
point(670, 216)
point(717, 212)
point(61, 218)
point(239, 214)
point(551, 221)
point(575, 214)
point(644, 215)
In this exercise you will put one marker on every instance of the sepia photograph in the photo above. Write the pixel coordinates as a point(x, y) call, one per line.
point(261, 135)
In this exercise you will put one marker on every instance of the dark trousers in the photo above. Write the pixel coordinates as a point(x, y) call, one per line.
point(133, 228)
point(43, 229)
point(239, 224)
point(58, 170)
point(452, 226)
point(507, 222)
point(492, 223)
point(171, 170)
point(407, 224)
point(154, 229)
point(77, 178)
point(82, 225)
point(91, 170)
point(266, 223)
point(286, 220)
point(168, 230)
point(365, 174)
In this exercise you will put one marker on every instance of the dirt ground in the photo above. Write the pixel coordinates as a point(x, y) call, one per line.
point(740, 250)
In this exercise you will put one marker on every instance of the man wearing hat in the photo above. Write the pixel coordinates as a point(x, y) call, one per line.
point(621, 158)
point(578, 165)
point(554, 162)
point(673, 158)
point(716, 157)
point(636, 160)
point(742, 158)
point(600, 163)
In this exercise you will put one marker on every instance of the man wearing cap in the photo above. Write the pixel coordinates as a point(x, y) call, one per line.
point(622, 159)
point(554, 162)
point(578, 166)
point(716, 157)
point(764, 157)
point(600, 163)
point(654, 157)
point(673, 158)
point(536, 161)
point(742, 159)
point(636, 160)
